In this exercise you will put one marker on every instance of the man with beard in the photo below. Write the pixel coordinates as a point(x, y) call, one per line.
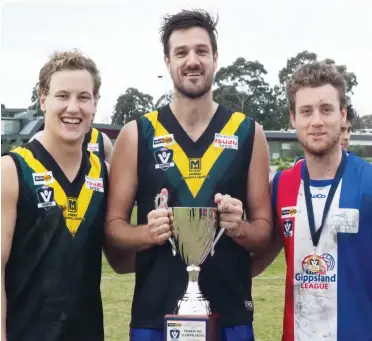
point(324, 219)
point(196, 153)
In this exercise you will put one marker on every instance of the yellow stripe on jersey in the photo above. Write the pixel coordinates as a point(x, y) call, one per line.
point(94, 136)
point(73, 219)
point(184, 163)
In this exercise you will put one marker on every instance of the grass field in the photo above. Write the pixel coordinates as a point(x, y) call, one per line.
point(268, 290)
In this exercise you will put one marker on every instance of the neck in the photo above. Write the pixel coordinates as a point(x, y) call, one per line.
point(193, 112)
point(323, 167)
point(66, 155)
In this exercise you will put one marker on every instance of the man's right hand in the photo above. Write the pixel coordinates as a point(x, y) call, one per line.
point(159, 223)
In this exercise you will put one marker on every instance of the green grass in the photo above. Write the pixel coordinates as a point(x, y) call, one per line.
point(268, 290)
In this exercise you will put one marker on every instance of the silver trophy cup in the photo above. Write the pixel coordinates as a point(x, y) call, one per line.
point(194, 238)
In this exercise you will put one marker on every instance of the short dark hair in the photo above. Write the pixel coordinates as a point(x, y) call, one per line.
point(316, 74)
point(187, 19)
point(350, 113)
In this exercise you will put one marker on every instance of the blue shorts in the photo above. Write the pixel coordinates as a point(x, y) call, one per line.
point(237, 333)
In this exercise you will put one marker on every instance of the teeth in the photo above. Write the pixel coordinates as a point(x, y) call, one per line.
point(192, 74)
point(71, 120)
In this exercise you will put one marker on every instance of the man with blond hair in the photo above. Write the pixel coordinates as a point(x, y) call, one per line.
point(53, 199)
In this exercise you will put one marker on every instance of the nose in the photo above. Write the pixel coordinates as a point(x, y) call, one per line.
point(317, 119)
point(193, 59)
point(73, 106)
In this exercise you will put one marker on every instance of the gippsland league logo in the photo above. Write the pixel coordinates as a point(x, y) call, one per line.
point(317, 271)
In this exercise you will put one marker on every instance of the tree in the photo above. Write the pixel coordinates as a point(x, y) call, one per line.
point(294, 63)
point(131, 105)
point(241, 86)
point(164, 100)
point(35, 101)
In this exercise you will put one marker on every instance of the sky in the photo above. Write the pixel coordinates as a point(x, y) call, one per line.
point(122, 37)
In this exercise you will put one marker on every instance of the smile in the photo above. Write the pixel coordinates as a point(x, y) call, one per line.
point(68, 120)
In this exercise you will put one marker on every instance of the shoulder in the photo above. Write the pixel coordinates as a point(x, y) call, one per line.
point(9, 176)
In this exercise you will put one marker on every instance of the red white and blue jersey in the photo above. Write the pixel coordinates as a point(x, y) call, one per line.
point(328, 293)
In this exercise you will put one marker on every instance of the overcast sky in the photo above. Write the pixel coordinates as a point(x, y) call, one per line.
point(122, 37)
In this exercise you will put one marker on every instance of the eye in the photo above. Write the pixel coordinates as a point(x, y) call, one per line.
point(180, 53)
point(64, 96)
point(305, 111)
point(202, 52)
point(328, 109)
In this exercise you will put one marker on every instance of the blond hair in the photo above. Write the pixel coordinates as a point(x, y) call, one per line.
point(68, 60)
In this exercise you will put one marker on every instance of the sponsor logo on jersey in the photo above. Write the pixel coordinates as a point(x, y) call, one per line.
point(43, 178)
point(317, 271)
point(94, 184)
point(288, 212)
point(93, 147)
point(226, 141)
point(318, 196)
point(162, 141)
point(288, 228)
point(164, 159)
point(45, 196)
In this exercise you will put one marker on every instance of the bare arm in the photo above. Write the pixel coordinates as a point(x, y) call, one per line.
point(256, 232)
point(108, 147)
point(9, 198)
point(123, 240)
point(262, 258)
point(121, 237)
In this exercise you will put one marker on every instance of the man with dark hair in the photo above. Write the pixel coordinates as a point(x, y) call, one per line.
point(323, 219)
point(347, 128)
point(153, 155)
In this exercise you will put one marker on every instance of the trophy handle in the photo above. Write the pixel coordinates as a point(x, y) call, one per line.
point(161, 202)
point(216, 240)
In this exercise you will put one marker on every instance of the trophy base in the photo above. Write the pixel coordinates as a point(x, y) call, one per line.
point(191, 327)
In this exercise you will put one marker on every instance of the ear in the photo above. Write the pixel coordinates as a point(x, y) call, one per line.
point(42, 103)
point(167, 63)
point(215, 61)
point(344, 114)
point(293, 119)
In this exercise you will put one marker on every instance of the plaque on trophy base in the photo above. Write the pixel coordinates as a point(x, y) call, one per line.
point(191, 328)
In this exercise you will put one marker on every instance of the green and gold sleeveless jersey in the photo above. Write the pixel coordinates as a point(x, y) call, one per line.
point(93, 142)
point(193, 172)
point(54, 269)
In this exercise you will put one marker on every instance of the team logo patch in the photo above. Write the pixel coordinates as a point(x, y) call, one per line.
point(43, 178)
point(164, 159)
point(93, 147)
point(226, 141)
point(194, 165)
point(288, 228)
point(317, 271)
point(72, 205)
point(45, 196)
point(174, 334)
point(162, 141)
point(94, 184)
point(288, 212)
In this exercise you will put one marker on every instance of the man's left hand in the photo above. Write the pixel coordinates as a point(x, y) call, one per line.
point(231, 212)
